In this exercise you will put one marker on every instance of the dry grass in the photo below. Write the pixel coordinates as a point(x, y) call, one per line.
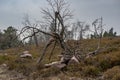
point(91, 67)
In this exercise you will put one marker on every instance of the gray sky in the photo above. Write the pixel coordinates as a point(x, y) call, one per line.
point(12, 11)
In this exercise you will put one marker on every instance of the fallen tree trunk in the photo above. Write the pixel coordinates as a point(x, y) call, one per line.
point(62, 63)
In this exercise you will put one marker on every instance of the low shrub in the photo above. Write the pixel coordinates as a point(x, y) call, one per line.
point(106, 61)
point(47, 72)
point(90, 71)
point(116, 77)
point(25, 66)
point(2, 59)
point(104, 64)
point(6, 58)
point(112, 74)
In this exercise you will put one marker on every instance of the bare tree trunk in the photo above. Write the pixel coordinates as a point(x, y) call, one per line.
point(35, 39)
point(81, 35)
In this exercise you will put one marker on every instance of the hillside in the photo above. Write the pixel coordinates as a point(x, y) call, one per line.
point(103, 66)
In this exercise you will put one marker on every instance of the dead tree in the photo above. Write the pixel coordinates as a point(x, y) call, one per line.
point(82, 28)
point(98, 27)
point(60, 6)
point(98, 32)
point(67, 53)
point(27, 22)
point(57, 37)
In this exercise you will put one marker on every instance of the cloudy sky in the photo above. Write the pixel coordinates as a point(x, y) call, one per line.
point(12, 11)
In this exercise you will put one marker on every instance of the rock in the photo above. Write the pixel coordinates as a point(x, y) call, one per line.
point(26, 54)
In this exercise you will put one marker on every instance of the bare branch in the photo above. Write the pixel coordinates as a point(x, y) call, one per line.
point(44, 50)
point(52, 50)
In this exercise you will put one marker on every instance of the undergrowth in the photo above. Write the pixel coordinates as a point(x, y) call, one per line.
point(107, 62)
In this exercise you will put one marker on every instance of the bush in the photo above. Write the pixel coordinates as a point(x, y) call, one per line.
point(112, 74)
point(104, 64)
point(2, 59)
point(116, 77)
point(106, 61)
point(25, 66)
point(91, 71)
point(115, 59)
point(74, 69)
point(6, 58)
point(47, 72)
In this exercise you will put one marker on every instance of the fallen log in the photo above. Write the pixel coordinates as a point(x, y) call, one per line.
point(62, 63)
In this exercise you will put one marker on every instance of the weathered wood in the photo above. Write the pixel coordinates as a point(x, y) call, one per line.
point(62, 63)
point(56, 64)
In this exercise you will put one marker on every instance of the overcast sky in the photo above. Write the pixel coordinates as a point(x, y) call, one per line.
point(12, 11)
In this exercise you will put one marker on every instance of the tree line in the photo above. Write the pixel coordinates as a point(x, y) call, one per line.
point(9, 37)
